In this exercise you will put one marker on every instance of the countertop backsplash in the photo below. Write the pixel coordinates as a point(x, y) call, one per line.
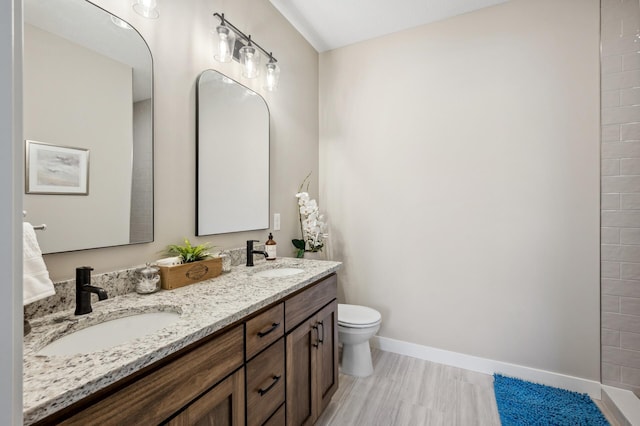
point(114, 283)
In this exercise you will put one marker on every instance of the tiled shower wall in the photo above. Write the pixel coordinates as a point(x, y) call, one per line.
point(620, 186)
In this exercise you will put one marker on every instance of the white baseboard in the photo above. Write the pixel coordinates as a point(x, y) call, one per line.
point(488, 366)
point(627, 405)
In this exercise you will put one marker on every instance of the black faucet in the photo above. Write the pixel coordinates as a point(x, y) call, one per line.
point(84, 290)
point(251, 252)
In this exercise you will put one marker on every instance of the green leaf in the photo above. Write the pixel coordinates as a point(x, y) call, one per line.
point(189, 253)
point(299, 244)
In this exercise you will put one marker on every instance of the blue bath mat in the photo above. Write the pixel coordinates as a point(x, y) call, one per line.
point(522, 403)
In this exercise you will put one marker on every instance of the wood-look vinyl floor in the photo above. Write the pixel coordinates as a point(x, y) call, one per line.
point(405, 391)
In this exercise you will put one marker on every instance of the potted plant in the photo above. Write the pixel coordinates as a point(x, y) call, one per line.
point(189, 253)
point(312, 225)
point(198, 264)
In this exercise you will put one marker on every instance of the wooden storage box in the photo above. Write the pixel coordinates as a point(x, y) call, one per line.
point(189, 273)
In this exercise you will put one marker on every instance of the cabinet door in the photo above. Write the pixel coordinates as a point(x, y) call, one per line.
point(221, 406)
point(327, 359)
point(302, 344)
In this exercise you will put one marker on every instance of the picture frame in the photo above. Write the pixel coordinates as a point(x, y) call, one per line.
point(56, 169)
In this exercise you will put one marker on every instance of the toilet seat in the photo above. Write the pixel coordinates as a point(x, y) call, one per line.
point(356, 316)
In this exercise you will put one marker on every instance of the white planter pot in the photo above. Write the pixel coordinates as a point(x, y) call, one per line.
point(315, 255)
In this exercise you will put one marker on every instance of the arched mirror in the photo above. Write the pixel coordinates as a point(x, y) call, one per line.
point(233, 157)
point(88, 121)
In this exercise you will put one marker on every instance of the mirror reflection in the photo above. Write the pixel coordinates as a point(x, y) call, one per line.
point(87, 89)
point(233, 157)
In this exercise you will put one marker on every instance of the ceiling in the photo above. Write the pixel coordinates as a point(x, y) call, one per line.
point(329, 24)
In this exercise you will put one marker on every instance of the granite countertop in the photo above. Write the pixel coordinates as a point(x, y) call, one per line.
point(51, 383)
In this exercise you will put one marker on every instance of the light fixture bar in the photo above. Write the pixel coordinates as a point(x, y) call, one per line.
point(248, 39)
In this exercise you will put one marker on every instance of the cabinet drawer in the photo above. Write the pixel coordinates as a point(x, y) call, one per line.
point(156, 396)
point(265, 384)
point(264, 329)
point(304, 304)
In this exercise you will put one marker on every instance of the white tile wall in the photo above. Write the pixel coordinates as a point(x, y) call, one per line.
point(630, 166)
point(630, 201)
point(621, 287)
point(630, 271)
point(630, 341)
point(612, 149)
point(610, 373)
point(610, 167)
point(630, 236)
point(610, 202)
point(610, 235)
point(630, 96)
point(610, 337)
point(620, 186)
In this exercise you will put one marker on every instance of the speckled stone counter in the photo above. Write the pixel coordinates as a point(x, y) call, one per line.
point(51, 383)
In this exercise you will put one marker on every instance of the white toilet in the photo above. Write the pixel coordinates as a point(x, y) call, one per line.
point(356, 325)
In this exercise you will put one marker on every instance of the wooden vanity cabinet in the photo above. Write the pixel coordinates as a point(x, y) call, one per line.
point(154, 395)
point(312, 354)
point(276, 367)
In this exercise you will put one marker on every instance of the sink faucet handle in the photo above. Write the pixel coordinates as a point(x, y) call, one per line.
point(84, 268)
point(83, 275)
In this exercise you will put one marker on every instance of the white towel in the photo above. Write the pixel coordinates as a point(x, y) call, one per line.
point(36, 283)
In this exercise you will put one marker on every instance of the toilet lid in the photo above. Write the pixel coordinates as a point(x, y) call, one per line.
point(356, 315)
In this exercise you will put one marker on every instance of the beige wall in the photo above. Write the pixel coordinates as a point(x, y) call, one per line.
point(459, 166)
point(182, 47)
point(58, 91)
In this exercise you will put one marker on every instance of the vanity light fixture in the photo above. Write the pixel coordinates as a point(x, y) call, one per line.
point(234, 44)
point(250, 60)
point(226, 43)
point(272, 76)
point(146, 8)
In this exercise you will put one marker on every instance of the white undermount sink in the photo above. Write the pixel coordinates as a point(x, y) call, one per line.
point(110, 333)
point(278, 272)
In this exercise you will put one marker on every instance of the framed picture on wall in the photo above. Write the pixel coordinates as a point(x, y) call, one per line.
point(55, 169)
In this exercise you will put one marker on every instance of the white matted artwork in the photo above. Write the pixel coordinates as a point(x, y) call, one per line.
point(55, 169)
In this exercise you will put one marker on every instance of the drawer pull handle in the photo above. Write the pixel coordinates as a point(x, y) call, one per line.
point(276, 379)
point(315, 327)
point(273, 327)
point(321, 340)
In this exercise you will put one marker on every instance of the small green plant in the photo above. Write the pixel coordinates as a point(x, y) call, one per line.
point(190, 253)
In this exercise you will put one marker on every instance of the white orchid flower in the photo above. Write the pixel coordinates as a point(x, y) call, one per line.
point(312, 223)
